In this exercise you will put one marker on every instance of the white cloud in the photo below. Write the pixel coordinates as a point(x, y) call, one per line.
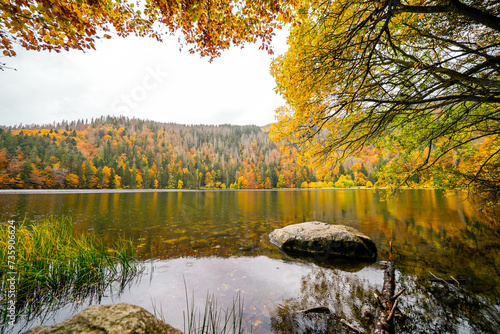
point(140, 78)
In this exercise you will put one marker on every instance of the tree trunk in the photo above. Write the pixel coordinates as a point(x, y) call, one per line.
point(387, 301)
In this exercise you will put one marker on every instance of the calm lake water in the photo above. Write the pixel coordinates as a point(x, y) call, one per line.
point(217, 242)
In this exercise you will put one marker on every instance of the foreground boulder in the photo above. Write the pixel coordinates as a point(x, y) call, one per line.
point(110, 319)
point(324, 241)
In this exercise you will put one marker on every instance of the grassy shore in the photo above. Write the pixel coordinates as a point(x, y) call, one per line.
point(44, 265)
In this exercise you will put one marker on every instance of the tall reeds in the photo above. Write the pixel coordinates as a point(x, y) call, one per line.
point(213, 319)
point(54, 266)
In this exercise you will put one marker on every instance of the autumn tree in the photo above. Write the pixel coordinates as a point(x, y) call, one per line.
point(418, 77)
point(206, 26)
point(106, 177)
point(361, 179)
point(63, 25)
point(72, 181)
point(209, 181)
point(36, 178)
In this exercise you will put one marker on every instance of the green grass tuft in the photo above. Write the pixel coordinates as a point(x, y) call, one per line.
point(54, 266)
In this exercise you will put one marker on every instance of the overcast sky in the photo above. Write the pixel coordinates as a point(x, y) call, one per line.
point(141, 78)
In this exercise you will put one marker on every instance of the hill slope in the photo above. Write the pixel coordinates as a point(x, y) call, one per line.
point(117, 152)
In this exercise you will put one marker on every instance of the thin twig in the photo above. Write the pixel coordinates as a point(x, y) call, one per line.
point(455, 280)
point(392, 311)
point(354, 329)
point(396, 296)
point(379, 302)
point(440, 279)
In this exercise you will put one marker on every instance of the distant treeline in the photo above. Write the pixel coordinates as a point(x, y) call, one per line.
point(118, 152)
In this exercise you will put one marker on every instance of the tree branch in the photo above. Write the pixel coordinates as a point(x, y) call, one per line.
point(475, 14)
point(452, 74)
point(454, 6)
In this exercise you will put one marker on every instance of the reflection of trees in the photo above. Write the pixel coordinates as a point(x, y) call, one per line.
point(472, 255)
point(346, 295)
point(426, 306)
point(442, 307)
point(436, 307)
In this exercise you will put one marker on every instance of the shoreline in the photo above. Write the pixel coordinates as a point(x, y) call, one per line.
point(111, 191)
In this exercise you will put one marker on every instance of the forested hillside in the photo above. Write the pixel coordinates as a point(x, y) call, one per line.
point(117, 152)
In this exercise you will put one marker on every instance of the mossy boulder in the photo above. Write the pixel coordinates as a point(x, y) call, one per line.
point(324, 241)
point(109, 319)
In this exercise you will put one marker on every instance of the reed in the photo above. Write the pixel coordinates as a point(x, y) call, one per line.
point(54, 266)
point(213, 319)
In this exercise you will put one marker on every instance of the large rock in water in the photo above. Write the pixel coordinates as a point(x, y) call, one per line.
point(323, 241)
point(109, 319)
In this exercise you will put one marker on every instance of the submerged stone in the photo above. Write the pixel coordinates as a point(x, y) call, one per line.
point(324, 241)
point(111, 319)
point(200, 243)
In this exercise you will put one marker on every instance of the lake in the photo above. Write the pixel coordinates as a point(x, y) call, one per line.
point(217, 242)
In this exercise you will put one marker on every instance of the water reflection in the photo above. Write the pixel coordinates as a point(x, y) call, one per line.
point(428, 229)
point(346, 296)
point(435, 306)
point(430, 233)
point(427, 305)
point(472, 255)
point(244, 214)
point(276, 292)
point(264, 284)
point(49, 306)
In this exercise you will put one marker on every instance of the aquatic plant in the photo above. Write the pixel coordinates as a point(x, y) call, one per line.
point(214, 319)
point(48, 265)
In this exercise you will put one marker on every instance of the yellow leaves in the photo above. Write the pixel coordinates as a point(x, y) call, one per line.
point(72, 181)
point(47, 38)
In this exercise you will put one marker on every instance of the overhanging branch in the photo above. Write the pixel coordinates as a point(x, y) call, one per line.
point(454, 6)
